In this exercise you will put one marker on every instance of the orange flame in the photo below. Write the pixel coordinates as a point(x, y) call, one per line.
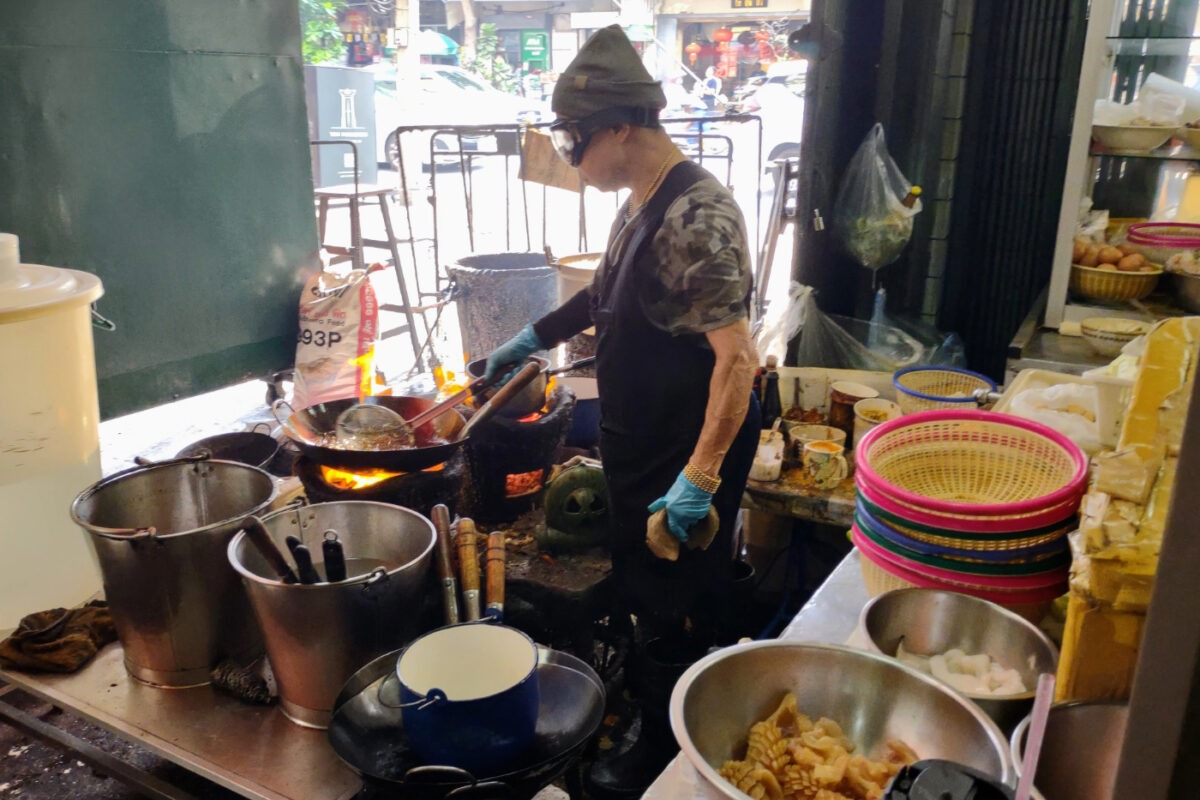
point(347, 480)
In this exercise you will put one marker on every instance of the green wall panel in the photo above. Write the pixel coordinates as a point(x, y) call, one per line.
point(164, 147)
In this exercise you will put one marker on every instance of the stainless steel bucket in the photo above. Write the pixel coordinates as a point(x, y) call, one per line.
point(318, 635)
point(160, 533)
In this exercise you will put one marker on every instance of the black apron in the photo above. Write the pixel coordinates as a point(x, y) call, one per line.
point(653, 390)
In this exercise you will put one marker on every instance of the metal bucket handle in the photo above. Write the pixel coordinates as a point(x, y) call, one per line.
point(126, 534)
point(374, 577)
point(432, 697)
point(203, 455)
point(281, 403)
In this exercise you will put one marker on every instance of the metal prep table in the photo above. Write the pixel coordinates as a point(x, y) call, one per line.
point(251, 750)
point(257, 753)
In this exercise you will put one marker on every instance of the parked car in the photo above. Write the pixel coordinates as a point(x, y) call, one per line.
point(448, 96)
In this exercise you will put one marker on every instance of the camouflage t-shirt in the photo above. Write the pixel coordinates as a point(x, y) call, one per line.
point(700, 275)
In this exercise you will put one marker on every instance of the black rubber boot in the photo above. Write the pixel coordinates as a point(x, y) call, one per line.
point(736, 618)
point(628, 774)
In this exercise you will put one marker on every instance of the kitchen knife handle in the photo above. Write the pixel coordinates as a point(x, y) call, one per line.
point(304, 565)
point(468, 565)
point(445, 566)
point(335, 558)
point(266, 547)
point(496, 554)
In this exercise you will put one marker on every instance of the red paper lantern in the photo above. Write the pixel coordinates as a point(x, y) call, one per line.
point(722, 35)
point(692, 51)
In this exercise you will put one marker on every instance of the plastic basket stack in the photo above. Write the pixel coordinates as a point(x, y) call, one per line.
point(972, 501)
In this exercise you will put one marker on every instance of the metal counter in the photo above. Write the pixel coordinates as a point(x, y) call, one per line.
point(251, 750)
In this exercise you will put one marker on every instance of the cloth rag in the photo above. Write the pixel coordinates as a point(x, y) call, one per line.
point(663, 543)
point(58, 640)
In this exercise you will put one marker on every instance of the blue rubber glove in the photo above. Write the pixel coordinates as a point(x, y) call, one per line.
point(686, 504)
point(513, 353)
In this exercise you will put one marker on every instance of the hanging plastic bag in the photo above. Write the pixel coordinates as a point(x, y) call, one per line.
point(833, 341)
point(873, 218)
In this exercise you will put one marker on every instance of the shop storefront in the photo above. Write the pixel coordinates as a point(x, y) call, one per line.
point(739, 39)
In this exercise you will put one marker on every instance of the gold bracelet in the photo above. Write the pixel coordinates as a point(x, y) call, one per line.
point(701, 479)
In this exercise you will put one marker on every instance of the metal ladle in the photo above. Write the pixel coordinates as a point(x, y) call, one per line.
point(371, 424)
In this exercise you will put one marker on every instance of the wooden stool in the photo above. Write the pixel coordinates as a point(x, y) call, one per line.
point(356, 196)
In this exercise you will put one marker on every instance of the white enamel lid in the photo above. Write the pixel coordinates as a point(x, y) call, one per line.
point(31, 289)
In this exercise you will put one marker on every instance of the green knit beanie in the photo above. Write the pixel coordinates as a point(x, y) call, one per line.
point(606, 73)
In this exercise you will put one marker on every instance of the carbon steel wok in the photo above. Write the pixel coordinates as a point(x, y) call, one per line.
point(314, 429)
point(311, 428)
point(368, 735)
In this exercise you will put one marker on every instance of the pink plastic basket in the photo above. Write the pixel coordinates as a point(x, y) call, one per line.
point(881, 560)
point(1001, 526)
point(971, 464)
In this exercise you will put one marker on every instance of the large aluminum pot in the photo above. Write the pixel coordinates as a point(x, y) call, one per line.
point(317, 635)
point(873, 698)
point(160, 533)
point(469, 695)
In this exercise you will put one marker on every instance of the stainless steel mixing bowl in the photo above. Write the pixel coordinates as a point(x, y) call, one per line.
point(933, 621)
point(873, 698)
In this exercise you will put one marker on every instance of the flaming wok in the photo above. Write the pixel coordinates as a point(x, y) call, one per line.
point(315, 429)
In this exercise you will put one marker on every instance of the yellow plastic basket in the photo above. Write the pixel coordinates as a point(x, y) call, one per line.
point(1112, 286)
point(926, 388)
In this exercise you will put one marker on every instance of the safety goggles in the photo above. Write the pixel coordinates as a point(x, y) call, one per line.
point(571, 137)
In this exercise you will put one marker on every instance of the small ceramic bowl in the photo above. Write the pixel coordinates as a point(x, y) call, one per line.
point(1107, 335)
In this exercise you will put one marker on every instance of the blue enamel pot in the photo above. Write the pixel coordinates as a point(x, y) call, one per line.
point(469, 695)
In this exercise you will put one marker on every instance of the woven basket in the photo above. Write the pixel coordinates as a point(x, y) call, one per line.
point(966, 545)
point(1112, 286)
point(925, 388)
point(963, 523)
point(971, 464)
point(967, 564)
point(1035, 591)
point(878, 580)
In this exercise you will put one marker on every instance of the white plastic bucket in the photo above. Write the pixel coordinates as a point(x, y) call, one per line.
point(49, 433)
point(575, 273)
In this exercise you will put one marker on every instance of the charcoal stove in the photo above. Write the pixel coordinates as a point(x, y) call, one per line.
point(510, 459)
point(419, 491)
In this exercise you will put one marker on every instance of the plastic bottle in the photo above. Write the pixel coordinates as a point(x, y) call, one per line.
point(772, 406)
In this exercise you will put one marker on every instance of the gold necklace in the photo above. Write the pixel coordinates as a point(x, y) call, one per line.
point(654, 184)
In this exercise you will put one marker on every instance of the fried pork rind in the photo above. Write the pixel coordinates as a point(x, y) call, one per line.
point(790, 757)
point(756, 781)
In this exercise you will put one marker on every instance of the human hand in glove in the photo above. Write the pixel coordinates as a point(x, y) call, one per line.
point(513, 352)
point(686, 504)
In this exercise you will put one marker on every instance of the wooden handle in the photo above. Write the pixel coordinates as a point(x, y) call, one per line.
point(468, 568)
point(468, 555)
point(496, 554)
point(500, 399)
point(266, 546)
point(445, 565)
point(441, 523)
point(450, 402)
